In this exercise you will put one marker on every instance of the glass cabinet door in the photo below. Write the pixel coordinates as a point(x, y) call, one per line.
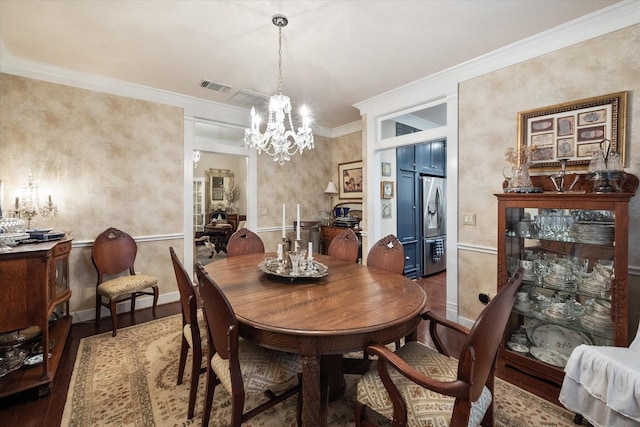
point(568, 257)
point(62, 276)
point(198, 204)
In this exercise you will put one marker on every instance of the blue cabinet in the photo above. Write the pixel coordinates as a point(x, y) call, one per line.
point(406, 157)
point(430, 158)
point(412, 162)
point(409, 221)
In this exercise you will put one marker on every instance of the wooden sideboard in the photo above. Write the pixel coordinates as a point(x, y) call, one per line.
point(34, 282)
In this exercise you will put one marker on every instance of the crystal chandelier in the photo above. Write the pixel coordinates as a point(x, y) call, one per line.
point(278, 140)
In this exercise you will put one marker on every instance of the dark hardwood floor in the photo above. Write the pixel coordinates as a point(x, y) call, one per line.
point(26, 409)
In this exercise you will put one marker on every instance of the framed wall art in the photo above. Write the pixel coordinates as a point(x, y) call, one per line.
point(386, 189)
point(351, 180)
point(386, 169)
point(386, 211)
point(573, 131)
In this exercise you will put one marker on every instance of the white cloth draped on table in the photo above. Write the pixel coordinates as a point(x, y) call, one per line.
point(603, 384)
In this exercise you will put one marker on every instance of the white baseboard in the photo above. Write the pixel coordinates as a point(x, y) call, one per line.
point(124, 307)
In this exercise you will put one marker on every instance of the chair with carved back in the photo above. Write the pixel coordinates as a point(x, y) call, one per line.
point(244, 242)
point(417, 385)
point(193, 330)
point(344, 246)
point(114, 253)
point(388, 254)
point(244, 369)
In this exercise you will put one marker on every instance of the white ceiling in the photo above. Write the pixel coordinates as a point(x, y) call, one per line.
point(335, 53)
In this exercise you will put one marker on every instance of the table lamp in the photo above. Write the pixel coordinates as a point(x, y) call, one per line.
point(331, 190)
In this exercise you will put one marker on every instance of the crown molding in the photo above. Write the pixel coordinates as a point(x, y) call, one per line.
point(615, 17)
point(193, 107)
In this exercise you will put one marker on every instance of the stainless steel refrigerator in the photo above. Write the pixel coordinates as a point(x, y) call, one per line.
point(434, 225)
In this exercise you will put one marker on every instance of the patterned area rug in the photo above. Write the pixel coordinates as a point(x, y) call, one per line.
point(130, 380)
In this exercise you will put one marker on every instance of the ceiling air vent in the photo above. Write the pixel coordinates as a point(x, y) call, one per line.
point(218, 87)
point(247, 99)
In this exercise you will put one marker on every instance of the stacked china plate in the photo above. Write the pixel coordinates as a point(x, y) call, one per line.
point(598, 319)
point(597, 233)
point(554, 343)
point(593, 284)
point(559, 280)
point(559, 312)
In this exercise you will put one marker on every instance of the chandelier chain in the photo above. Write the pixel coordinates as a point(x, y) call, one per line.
point(280, 60)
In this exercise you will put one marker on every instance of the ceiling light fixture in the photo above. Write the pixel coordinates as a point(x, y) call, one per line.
point(279, 141)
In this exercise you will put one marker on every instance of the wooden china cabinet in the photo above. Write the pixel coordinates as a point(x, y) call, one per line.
point(558, 315)
point(34, 283)
point(595, 228)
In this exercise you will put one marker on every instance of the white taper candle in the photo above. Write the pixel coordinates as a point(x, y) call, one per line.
point(284, 234)
point(298, 222)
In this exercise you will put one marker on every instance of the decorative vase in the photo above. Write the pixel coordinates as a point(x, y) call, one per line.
point(519, 177)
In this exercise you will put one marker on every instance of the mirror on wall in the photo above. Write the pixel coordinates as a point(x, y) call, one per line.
point(218, 182)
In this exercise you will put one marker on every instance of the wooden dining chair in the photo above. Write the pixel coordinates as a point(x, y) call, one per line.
point(193, 329)
point(387, 254)
point(416, 384)
point(244, 242)
point(344, 246)
point(244, 369)
point(114, 253)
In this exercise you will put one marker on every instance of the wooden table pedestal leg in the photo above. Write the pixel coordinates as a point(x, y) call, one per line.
point(313, 414)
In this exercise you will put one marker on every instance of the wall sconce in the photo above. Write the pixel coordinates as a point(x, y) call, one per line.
point(196, 158)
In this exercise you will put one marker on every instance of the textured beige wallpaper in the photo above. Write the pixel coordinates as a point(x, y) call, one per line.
point(106, 160)
point(347, 148)
point(302, 181)
point(488, 125)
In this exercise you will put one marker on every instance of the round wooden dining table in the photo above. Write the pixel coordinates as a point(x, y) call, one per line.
point(351, 307)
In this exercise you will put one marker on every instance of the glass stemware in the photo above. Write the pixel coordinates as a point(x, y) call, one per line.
point(541, 269)
point(296, 258)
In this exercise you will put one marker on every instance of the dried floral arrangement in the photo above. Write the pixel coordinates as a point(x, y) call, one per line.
point(232, 195)
point(521, 158)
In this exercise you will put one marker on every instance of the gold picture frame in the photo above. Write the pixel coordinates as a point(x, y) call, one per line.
point(573, 130)
point(386, 189)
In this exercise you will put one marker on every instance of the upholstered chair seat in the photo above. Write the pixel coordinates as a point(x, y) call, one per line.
point(257, 366)
point(186, 330)
point(424, 407)
point(126, 285)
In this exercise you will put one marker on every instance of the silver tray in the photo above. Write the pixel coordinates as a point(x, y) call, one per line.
point(11, 358)
point(522, 189)
point(273, 267)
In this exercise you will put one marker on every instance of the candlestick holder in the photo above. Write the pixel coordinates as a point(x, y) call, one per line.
point(283, 256)
point(285, 245)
